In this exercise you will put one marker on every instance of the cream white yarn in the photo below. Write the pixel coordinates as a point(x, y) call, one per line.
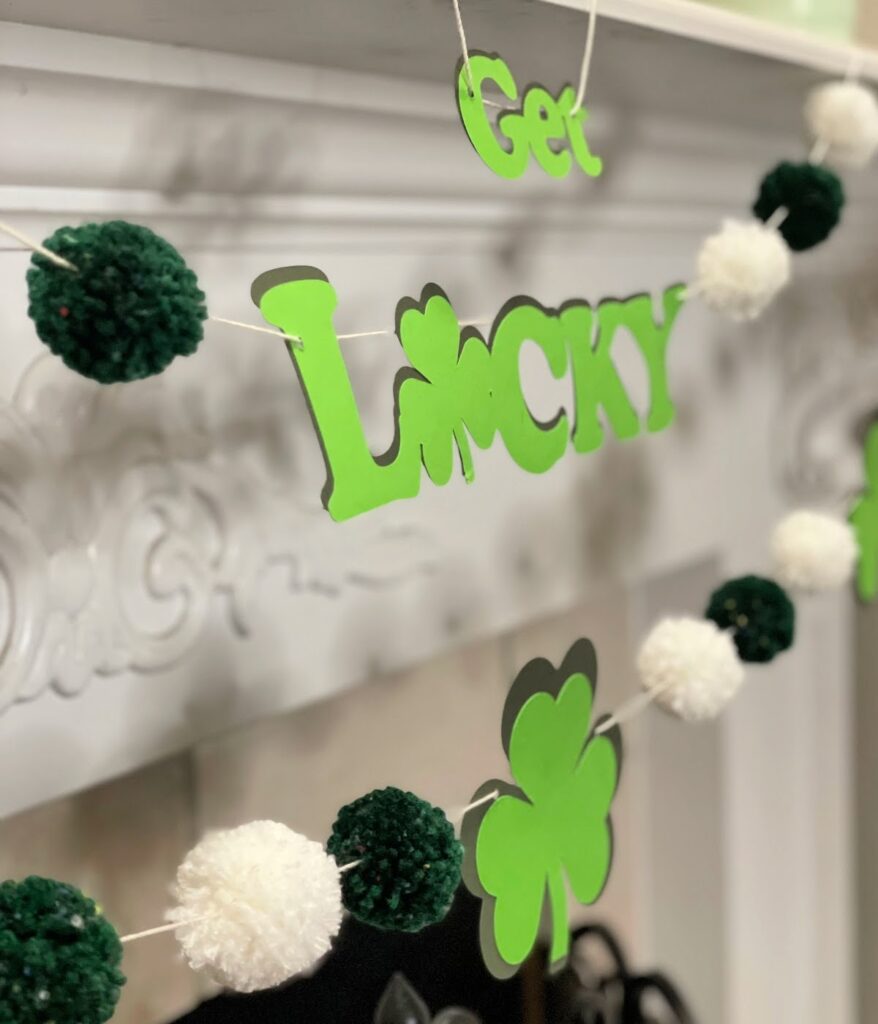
point(814, 551)
point(843, 116)
point(691, 667)
point(264, 903)
point(741, 268)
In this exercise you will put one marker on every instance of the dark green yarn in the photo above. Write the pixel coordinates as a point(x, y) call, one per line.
point(59, 958)
point(813, 197)
point(759, 613)
point(410, 860)
point(131, 306)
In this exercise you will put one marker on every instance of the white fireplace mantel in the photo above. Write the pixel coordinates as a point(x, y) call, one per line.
point(167, 571)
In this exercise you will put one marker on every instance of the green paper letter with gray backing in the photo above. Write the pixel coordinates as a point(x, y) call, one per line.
point(545, 126)
point(864, 519)
point(460, 390)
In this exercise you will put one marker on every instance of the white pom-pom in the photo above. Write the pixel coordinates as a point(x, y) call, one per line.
point(843, 116)
point(264, 903)
point(741, 268)
point(690, 667)
point(814, 551)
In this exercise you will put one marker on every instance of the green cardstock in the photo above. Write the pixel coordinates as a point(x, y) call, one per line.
point(864, 519)
point(459, 390)
point(544, 125)
point(552, 832)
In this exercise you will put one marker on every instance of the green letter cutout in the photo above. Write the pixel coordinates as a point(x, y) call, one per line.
point(300, 301)
point(535, 446)
point(458, 389)
point(545, 126)
point(595, 378)
point(864, 519)
point(508, 163)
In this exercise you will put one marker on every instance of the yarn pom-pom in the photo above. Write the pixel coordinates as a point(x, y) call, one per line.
point(59, 957)
point(127, 310)
point(812, 196)
point(409, 860)
point(262, 902)
point(741, 268)
point(759, 613)
point(690, 667)
point(814, 551)
point(843, 116)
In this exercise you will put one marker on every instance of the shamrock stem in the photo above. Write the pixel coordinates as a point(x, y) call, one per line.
point(466, 458)
point(560, 923)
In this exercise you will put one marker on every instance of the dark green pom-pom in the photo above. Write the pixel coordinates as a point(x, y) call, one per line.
point(759, 613)
point(813, 197)
point(130, 307)
point(59, 958)
point(409, 860)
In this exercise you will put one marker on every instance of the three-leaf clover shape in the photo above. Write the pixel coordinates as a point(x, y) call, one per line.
point(450, 396)
point(553, 830)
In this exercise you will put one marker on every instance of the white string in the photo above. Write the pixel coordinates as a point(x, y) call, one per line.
point(59, 261)
point(162, 928)
point(157, 931)
point(818, 152)
point(297, 341)
point(463, 46)
point(487, 798)
point(778, 217)
point(255, 327)
point(480, 322)
point(586, 57)
point(630, 709)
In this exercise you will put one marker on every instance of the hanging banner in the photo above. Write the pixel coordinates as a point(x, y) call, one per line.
point(544, 125)
point(459, 390)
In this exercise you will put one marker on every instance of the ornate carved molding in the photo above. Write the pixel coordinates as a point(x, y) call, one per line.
point(831, 397)
point(115, 537)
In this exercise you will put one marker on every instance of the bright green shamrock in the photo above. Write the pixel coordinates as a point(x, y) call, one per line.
point(450, 395)
point(525, 848)
point(864, 519)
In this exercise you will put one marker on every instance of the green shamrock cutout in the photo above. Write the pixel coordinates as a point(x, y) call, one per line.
point(553, 830)
point(864, 519)
point(450, 394)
